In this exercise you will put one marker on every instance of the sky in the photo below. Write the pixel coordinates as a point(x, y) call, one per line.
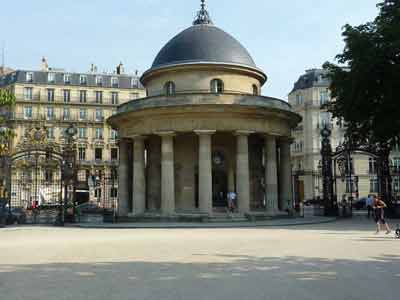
point(285, 38)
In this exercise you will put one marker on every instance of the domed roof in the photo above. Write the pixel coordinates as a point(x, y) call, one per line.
point(203, 43)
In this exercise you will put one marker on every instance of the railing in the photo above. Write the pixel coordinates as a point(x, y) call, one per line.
point(43, 117)
point(97, 162)
point(60, 99)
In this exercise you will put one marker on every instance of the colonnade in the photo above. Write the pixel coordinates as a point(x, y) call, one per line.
point(275, 190)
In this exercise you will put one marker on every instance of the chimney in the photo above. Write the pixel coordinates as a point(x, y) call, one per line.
point(45, 65)
point(120, 69)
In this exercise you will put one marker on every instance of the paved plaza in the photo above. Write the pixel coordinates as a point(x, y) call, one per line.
point(341, 260)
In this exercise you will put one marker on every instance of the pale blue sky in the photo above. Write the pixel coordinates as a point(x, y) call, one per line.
point(283, 37)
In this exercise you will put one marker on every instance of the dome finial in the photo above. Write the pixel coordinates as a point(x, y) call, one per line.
point(203, 17)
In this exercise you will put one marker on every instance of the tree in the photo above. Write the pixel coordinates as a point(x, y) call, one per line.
point(7, 100)
point(367, 89)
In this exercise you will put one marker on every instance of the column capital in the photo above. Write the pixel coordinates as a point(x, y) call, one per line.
point(205, 132)
point(271, 135)
point(165, 133)
point(138, 137)
point(243, 132)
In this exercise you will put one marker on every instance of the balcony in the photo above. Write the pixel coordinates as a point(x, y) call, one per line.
point(98, 162)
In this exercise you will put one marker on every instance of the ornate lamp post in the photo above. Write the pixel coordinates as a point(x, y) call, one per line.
point(68, 169)
point(327, 174)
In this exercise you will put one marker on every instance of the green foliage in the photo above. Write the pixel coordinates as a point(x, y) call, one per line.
point(367, 89)
point(7, 100)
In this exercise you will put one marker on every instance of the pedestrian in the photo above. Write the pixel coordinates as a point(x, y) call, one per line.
point(369, 203)
point(231, 201)
point(379, 214)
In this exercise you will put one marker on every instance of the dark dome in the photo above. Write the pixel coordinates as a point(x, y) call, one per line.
point(203, 43)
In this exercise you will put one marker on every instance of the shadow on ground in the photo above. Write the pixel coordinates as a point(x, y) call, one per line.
point(238, 277)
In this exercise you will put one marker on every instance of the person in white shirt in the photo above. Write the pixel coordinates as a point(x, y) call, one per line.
point(231, 201)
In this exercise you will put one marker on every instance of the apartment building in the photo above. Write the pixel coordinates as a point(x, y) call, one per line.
point(310, 93)
point(54, 99)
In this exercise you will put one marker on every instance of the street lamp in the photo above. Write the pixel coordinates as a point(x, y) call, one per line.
point(319, 174)
point(68, 168)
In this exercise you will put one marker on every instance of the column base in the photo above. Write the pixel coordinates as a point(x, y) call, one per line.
point(272, 213)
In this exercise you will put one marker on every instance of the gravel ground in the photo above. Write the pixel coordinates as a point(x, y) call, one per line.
point(341, 260)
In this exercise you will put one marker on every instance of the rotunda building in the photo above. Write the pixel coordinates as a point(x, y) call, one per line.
point(204, 130)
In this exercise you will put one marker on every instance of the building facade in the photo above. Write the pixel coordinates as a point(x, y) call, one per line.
point(204, 131)
point(49, 101)
point(307, 98)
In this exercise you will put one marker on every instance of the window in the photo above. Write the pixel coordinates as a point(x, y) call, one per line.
point(99, 81)
point(29, 77)
point(114, 82)
point(28, 93)
point(352, 184)
point(50, 95)
point(99, 97)
point(99, 114)
point(373, 185)
point(255, 90)
point(99, 133)
point(82, 96)
point(299, 99)
point(372, 165)
point(217, 86)
point(82, 132)
point(83, 80)
point(396, 163)
point(51, 77)
point(169, 88)
point(67, 78)
point(28, 112)
point(134, 82)
point(82, 113)
point(325, 119)
point(50, 113)
point(66, 113)
point(82, 153)
point(396, 184)
point(114, 153)
point(50, 132)
point(98, 154)
point(323, 97)
point(67, 96)
point(114, 98)
point(298, 146)
point(114, 134)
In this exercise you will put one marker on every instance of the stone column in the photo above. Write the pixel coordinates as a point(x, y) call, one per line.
point(242, 171)
point(153, 179)
point(271, 175)
point(286, 175)
point(139, 178)
point(123, 184)
point(205, 171)
point(167, 173)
